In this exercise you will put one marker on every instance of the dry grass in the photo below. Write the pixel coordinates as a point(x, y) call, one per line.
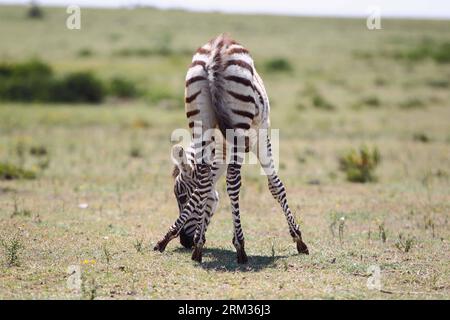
point(89, 154)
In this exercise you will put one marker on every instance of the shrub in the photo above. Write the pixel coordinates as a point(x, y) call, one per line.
point(35, 12)
point(78, 87)
point(29, 81)
point(9, 171)
point(412, 103)
point(421, 137)
point(123, 88)
point(135, 152)
point(441, 53)
point(427, 49)
point(34, 81)
point(404, 243)
point(158, 94)
point(12, 248)
point(38, 151)
point(320, 102)
point(278, 65)
point(140, 123)
point(138, 52)
point(85, 52)
point(439, 83)
point(359, 165)
point(371, 101)
point(317, 100)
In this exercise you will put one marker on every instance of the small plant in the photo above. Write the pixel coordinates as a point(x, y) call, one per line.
point(439, 83)
point(278, 64)
point(9, 171)
point(382, 232)
point(320, 102)
point(333, 222)
point(140, 123)
point(359, 165)
point(341, 229)
point(429, 224)
point(89, 288)
point(404, 243)
point(421, 137)
point(123, 88)
point(38, 151)
point(139, 245)
point(19, 211)
point(135, 152)
point(35, 12)
point(372, 101)
point(273, 250)
point(85, 52)
point(412, 103)
point(12, 248)
point(108, 255)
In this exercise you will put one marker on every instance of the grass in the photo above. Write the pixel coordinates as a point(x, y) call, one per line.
point(105, 194)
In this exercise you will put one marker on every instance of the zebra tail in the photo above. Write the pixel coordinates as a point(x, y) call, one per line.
point(216, 82)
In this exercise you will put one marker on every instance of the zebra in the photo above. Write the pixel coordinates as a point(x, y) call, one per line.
point(224, 91)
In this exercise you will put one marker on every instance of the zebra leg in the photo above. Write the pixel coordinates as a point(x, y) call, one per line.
point(205, 187)
point(191, 226)
point(278, 191)
point(233, 188)
point(197, 198)
point(189, 229)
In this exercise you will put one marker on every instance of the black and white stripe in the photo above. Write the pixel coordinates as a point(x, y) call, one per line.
point(224, 91)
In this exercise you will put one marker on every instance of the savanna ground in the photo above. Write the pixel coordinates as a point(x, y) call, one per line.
point(343, 87)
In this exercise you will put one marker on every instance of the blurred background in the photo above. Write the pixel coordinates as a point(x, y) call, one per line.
point(86, 116)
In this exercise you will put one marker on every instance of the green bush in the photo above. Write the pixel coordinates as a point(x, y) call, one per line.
point(29, 81)
point(412, 103)
point(359, 165)
point(427, 49)
point(138, 52)
point(9, 171)
point(421, 137)
point(123, 88)
point(35, 12)
point(278, 65)
point(78, 87)
point(439, 83)
point(441, 53)
point(34, 81)
point(371, 101)
point(85, 52)
point(320, 102)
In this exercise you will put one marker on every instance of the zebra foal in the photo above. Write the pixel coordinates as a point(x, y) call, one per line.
point(224, 91)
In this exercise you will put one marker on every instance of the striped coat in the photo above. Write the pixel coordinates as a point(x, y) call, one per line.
point(223, 91)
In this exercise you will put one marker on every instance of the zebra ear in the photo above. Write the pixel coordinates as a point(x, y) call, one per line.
point(179, 159)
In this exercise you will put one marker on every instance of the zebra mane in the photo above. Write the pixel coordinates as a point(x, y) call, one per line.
point(175, 171)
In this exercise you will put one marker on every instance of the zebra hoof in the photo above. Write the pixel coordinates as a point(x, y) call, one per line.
point(197, 254)
point(301, 247)
point(160, 246)
point(242, 257)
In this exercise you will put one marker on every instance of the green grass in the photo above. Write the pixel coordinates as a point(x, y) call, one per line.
point(115, 157)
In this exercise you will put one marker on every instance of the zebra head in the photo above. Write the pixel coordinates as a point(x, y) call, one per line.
point(184, 183)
